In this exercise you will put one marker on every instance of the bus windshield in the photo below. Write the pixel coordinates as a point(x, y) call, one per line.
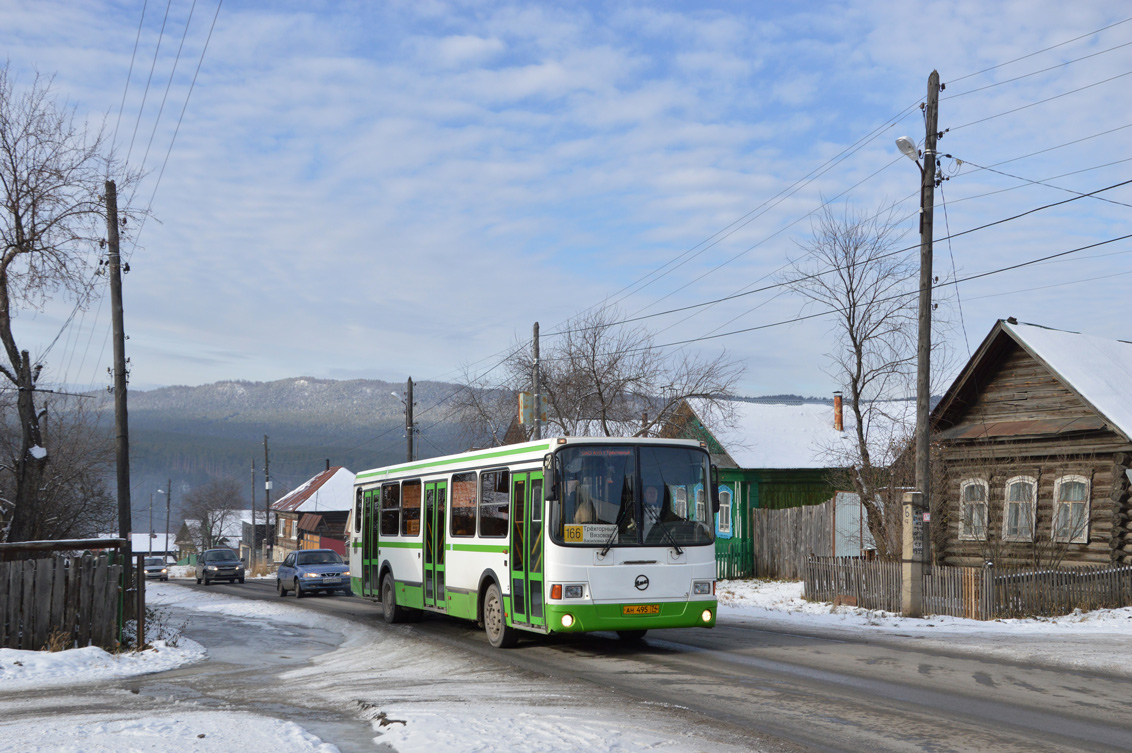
point(620, 495)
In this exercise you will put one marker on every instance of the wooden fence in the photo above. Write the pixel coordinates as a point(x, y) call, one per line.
point(734, 558)
point(64, 600)
point(872, 584)
point(785, 540)
point(973, 592)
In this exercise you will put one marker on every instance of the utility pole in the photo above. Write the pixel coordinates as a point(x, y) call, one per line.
point(916, 503)
point(267, 496)
point(168, 504)
point(121, 419)
point(409, 420)
point(924, 347)
point(253, 553)
point(537, 388)
point(151, 522)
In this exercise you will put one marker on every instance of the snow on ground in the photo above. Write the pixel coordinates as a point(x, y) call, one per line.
point(41, 669)
point(1097, 640)
point(197, 731)
point(410, 697)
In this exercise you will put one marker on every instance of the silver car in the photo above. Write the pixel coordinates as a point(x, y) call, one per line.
point(155, 567)
point(219, 564)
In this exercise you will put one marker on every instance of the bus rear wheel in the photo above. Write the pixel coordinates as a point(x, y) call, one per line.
point(499, 635)
point(631, 636)
point(392, 613)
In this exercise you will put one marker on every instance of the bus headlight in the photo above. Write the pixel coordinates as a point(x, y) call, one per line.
point(567, 620)
point(706, 615)
point(573, 592)
point(702, 587)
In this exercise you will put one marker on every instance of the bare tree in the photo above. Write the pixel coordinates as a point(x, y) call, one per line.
point(852, 268)
point(52, 175)
point(216, 506)
point(602, 377)
point(75, 499)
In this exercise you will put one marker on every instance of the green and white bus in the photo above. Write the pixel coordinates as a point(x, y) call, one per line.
point(569, 534)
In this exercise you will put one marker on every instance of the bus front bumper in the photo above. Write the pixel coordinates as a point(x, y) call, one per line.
point(582, 617)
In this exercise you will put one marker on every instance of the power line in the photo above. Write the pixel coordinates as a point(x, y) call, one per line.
point(787, 283)
point(1039, 52)
point(169, 84)
point(1035, 73)
point(1042, 101)
point(130, 73)
point(818, 314)
point(156, 51)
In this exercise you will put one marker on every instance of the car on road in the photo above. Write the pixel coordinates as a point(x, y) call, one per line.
point(219, 564)
point(156, 567)
point(309, 571)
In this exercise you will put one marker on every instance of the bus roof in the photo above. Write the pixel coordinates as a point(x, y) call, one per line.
point(515, 453)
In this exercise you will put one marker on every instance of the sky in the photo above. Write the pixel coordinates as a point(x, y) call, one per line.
point(384, 190)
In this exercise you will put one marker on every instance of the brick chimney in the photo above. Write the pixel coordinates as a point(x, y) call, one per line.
point(838, 416)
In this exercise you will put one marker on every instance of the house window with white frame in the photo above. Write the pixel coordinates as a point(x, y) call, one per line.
point(1071, 509)
point(680, 506)
point(725, 511)
point(1018, 509)
point(973, 509)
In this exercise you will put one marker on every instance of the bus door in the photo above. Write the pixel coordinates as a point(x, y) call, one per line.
point(436, 498)
point(527, 549)
point(371, 525)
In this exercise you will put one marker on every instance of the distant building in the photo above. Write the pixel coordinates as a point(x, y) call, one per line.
point(314, 515)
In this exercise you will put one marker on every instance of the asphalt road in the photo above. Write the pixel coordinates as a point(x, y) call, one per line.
point(793, 691)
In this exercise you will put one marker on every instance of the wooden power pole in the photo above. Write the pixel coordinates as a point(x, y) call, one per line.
point(121, 419)
point(924, 346)
point(537, 387)
point(267, 497)
point(918, 502)
point(409, 420)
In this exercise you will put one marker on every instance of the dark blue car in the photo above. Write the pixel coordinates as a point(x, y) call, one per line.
point(311, 570)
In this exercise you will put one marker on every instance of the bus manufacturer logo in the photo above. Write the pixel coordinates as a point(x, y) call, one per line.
point(642, 582)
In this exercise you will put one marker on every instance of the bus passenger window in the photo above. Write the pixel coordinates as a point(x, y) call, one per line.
point(390, 509)
point(464, 504)
point(411, 508)
point(495, 503)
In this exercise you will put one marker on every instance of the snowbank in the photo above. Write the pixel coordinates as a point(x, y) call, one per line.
point(1096, 641)
point(41, 669)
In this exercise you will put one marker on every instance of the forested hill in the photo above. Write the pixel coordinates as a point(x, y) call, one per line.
point(194, 433)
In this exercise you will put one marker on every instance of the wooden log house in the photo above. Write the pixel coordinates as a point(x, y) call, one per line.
point(1035, 436)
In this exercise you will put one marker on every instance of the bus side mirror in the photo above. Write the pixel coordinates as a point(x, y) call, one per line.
point(550, 478)
point(714, 490)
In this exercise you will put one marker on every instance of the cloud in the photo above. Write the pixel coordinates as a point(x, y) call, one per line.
point(404, 187)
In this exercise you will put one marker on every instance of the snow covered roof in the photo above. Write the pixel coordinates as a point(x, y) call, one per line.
point(330, 490)
point(801, 435)
point(231, 525)
point(1097, 369)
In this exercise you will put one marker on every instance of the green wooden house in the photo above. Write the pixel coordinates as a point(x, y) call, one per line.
point(770, 454)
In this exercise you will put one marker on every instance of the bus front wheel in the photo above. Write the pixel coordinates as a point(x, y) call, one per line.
point(392, 613)
point(499, 634)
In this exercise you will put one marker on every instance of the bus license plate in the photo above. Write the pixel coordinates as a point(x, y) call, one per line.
point(641, 609)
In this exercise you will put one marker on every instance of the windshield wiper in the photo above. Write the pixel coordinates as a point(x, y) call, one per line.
point(664, 529)
point(616, 530)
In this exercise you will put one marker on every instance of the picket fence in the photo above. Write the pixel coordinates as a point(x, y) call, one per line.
point(64, 601)
point(979, 593)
